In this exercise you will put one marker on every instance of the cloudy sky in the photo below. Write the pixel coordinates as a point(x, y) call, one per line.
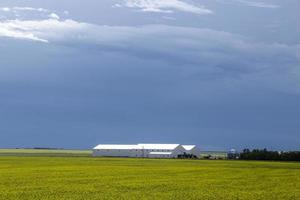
point(217, 73)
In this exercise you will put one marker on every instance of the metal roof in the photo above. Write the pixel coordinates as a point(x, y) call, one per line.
point(188, 147)
point(117, 146)
point(160, 153)
point(159, 146)
point(138, 146)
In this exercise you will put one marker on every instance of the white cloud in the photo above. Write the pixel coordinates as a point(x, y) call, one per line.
point(179, 44)
point(30, 9)
point(27, 13)
point(5, 9)
point(54, 16)
point(39, 30)
point(250, 3)
point(166, 6)
point(215, 53)
point(117, 5)
point(9, 29)
point(258, 4)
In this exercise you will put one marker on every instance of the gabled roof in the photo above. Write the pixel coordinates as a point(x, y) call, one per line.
point(138, 146)
point(159, 146)
point(189, 147)
point(117, 146)
point(160, 153)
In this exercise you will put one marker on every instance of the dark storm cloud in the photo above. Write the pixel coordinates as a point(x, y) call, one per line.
point(67, 83)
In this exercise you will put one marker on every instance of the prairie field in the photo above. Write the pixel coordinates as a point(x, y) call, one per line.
point(74, 175)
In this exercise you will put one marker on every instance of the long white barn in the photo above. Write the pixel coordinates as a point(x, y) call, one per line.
point(144, 150)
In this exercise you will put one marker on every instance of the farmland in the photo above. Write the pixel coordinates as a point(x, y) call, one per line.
point(42, 174)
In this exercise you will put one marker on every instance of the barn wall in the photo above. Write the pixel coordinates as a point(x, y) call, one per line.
point(159, 156)
point(140, 153)
point(195, 151)
point(117, 153)
point(178, 151)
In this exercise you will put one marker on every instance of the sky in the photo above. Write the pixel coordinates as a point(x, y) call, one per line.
point(220, 74)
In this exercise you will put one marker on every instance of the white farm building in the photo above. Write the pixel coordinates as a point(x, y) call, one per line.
point(145, 150)
point(191, 149)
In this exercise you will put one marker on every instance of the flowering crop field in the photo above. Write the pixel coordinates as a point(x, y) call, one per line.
point(82, 177)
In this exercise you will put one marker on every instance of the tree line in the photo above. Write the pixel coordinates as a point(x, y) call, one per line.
point(264, 154)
